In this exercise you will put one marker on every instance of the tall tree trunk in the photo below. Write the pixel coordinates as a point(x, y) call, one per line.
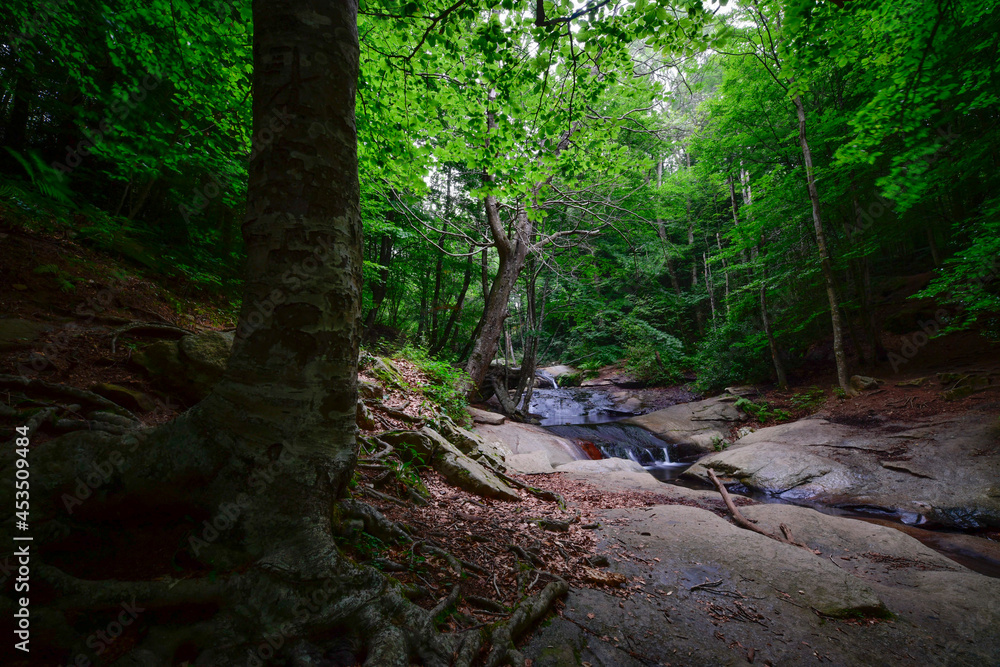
point(436, 300)
point(779, 367)
point(699, 318)
point(456, 311)
point(512, 255)
point(380, 285)
point(661, 231)
point(422, 314)
point(824, 255)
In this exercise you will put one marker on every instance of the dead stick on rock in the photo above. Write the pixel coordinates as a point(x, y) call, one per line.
point(743, 522)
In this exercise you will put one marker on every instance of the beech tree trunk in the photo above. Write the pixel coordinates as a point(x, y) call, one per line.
point(824, 255)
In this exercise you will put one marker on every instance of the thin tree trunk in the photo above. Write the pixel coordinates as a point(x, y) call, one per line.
point(824, 255)
point(456, 311)
point(709, 284)
point(380, 285)
point(661, 231)
point(436, 300)
point(699, 318)
point(422, 314)
point(779, 368)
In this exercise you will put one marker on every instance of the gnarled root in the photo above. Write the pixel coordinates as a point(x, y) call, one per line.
point(266, 579)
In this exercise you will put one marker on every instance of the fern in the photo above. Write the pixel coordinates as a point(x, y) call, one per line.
point(48, 181)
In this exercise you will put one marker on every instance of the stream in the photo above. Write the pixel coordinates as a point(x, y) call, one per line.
point(588, 416)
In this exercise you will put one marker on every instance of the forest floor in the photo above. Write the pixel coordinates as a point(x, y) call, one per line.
point(67, 301)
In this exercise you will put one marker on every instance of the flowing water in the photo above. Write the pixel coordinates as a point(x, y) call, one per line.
point(589, 416)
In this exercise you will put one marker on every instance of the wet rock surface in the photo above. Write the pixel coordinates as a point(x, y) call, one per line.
point(693, 428)
point(940, 471)
point(532, 448)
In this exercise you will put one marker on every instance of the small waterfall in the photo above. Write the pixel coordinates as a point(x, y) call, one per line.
point(625, 441)
point(547, 377)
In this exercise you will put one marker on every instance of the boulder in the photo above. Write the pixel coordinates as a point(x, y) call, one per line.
point(471, 444)
point(745, 391)
point(430, 448)
point(601, 466)
point(863, 382)
point(370, 390)
point(940, 471)
point(561, 370)
point(527, 439)
point(364, 417)
point(530, 463)
point(778, 469)
point(190, 366)
point(695, 428)
point(467, 442)
point(388, 372)
point(485, 417)
point(724, 594)
point(131, 399)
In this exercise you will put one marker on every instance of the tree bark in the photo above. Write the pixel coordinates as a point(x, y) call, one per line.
point(661, 231)
point(824, 255)
point(381, 284)
point(512, 254)
point(456, 311)
point(779, 368)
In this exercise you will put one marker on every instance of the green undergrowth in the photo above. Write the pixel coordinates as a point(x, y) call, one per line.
point(763, 411)
point(446, 383)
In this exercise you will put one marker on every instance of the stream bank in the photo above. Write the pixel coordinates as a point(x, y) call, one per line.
point(937, 473)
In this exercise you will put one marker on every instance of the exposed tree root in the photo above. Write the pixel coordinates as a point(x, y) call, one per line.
point(278, 582)
point(499, 389)
point(543, 494)
point(136, 327)
point(528, 612)
point(51, 389)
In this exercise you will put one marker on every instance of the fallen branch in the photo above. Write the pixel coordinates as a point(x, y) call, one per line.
point(743, 522)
